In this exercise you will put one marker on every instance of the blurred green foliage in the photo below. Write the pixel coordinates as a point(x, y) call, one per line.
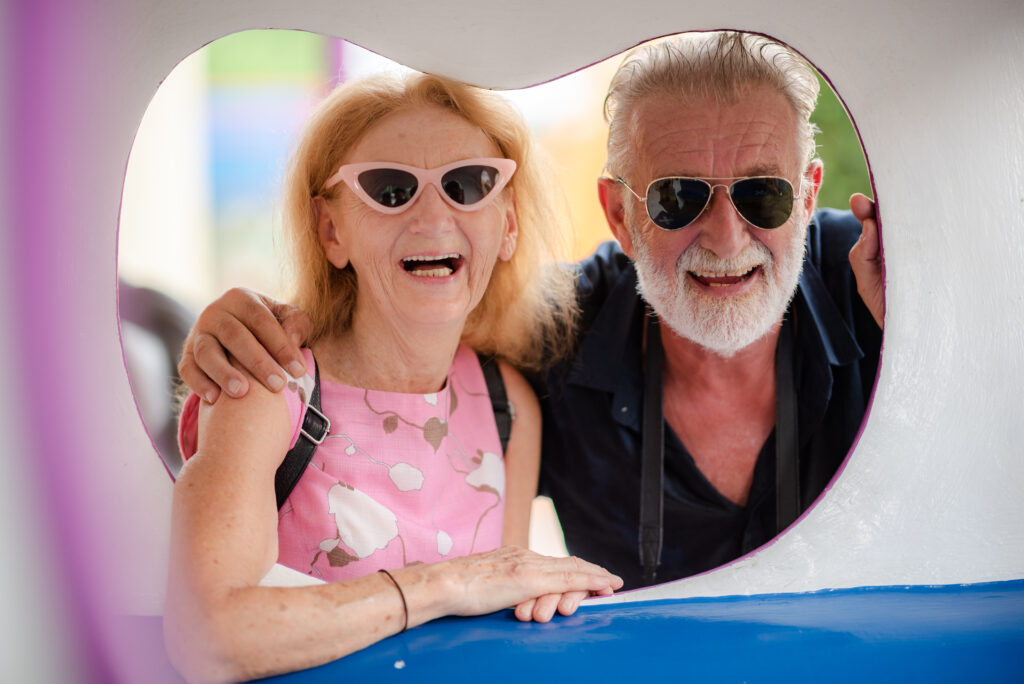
point(268, 57)
point(846, 171)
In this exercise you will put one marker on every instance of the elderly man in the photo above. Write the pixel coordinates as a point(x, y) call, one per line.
point(725, 358)
point(729, 301)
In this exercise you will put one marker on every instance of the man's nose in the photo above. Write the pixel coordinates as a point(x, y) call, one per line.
point(723, 230)
point(431, 215)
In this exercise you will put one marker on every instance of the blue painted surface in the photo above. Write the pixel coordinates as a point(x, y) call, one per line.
point(962, 633)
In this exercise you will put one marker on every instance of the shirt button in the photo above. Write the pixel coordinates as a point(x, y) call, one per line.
point(625, 409)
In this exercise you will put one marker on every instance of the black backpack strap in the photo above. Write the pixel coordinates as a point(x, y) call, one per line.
point(315, 427)
point(504, 411)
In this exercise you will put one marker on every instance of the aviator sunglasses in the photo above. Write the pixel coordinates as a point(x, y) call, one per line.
point(467, 185)
point(676, 202)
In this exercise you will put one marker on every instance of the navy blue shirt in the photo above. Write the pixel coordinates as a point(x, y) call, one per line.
point(591, 404)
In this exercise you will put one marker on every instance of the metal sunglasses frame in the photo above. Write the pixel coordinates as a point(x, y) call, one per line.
point(711, 192)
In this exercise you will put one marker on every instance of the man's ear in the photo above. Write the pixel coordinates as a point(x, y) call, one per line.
point(813, 175)
point(609, 191)
point(336, 252)
point(511, 232)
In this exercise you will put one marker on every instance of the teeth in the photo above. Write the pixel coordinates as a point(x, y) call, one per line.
point(442, 272)
point(725, 274)
point(452, 255)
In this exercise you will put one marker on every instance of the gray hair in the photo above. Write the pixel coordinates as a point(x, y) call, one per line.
point(717, 65)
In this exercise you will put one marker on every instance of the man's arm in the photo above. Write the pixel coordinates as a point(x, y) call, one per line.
point(866, 258)
point(262, 334)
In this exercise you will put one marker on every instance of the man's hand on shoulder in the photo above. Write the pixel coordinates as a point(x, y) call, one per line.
point(866, 258)
point(262, 334)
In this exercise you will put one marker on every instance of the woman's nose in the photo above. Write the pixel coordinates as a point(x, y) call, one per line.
point(431, 213)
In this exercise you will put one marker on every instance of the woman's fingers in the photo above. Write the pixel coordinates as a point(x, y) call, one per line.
point(524, 610)
point(599, 578)
point(570, 601)
point(512, 576)
point(545, 606)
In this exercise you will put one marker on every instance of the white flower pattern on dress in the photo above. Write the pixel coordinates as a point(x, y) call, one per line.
point(406, 477)
point(489, 474)
point(363, 523)
point(444, 542)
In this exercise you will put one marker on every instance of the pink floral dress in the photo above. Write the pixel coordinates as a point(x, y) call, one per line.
point(400, 478)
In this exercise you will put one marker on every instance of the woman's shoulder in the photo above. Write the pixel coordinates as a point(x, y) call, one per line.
point(258, 411)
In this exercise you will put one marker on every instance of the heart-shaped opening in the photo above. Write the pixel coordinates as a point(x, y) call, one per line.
point(201, 190)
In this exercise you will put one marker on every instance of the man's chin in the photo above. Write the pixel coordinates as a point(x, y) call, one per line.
point(727, 349)
point(726, 344)
point(723, 328)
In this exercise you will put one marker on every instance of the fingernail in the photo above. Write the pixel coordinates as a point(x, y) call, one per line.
point(296, 339)
point(275, 382)
point(234, 387)
point(296, 370)
point(210, 397)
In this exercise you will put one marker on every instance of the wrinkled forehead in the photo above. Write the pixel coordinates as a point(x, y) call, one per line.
point(751, 134)
point(422, 135)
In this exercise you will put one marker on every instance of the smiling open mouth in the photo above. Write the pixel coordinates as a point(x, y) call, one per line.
point(439, 266)
point(724, 279)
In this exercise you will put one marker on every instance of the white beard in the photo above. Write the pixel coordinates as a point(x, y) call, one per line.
point(724, 325)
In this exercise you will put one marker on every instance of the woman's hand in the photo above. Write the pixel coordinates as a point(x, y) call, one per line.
point(510, 576)
point(264, 335)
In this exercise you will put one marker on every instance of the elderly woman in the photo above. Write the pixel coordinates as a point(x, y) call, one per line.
point(422, 237)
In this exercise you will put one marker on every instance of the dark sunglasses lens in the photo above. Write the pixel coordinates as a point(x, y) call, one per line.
point(388, 187)
point(469, 184)
point(674, 203)
point(764, 202)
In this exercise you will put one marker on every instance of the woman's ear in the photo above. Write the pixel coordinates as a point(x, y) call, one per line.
point(511, 233)
point(336, 252)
